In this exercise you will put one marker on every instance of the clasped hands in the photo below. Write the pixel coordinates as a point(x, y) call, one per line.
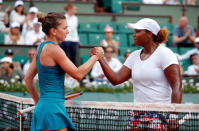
point(98, 51)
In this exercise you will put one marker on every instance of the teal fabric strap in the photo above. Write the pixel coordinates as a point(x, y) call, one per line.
point(42, 45)
point(50, 42)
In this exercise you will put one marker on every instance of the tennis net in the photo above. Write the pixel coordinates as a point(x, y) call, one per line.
point(107, 116)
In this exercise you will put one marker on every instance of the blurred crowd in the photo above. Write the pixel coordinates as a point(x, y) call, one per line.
point(24, 29)
point(103, 6)
point(171, 2)
point(21, 28)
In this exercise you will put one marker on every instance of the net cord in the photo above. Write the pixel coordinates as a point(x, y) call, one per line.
point(115, 105)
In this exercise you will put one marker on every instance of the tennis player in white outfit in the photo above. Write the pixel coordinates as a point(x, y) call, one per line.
point(154, 70)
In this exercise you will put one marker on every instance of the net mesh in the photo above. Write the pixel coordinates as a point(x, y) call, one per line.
point(107, 116)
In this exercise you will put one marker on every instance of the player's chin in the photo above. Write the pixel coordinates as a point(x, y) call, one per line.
point(63, 39)
point(136, 43)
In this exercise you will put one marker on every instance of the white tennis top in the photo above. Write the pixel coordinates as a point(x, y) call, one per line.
point(149, 81)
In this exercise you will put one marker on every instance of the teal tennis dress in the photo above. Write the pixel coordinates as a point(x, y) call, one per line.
point(50, 112)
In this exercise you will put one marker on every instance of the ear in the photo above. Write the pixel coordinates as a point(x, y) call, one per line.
point(53, 31)
point(149, 34)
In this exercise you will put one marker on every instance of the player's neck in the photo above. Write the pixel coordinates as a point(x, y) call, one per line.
point(53, 39)
point(150, 48)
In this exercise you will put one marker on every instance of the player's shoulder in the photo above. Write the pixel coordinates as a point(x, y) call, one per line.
point(53, 49)
point(135, 53)
point(165, 52)
point(163, 49)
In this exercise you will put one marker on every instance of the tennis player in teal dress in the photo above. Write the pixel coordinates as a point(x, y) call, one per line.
point(50, 112)
point(51, 63)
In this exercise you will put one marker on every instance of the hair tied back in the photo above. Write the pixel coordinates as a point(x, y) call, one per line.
point(41, 17)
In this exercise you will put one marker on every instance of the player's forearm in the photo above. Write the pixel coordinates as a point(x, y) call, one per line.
point(109, 73)
point(175, 81)
point(86, 67)
point(176, 95)
point(176, 85)
point(32, 90)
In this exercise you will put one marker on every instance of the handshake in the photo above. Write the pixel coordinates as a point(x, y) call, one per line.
point(98, 51)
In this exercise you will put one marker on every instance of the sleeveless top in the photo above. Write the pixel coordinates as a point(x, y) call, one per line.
point(50, 112)
point(51, 78)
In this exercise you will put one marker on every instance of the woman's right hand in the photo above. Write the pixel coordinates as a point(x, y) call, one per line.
point(98, 51)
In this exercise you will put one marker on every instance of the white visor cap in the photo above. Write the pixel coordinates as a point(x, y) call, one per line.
point(145, 24)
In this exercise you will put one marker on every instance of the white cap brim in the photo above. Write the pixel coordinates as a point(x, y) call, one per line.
point(134, 26)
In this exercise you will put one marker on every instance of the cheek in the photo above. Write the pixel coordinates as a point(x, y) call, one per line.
point(138, 39)
point(135, 38)
point(61, 35)
point(136, 42)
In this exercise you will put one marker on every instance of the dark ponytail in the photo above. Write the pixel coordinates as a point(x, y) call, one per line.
point(41, 17)
point(51, 20)
point(162, 36)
